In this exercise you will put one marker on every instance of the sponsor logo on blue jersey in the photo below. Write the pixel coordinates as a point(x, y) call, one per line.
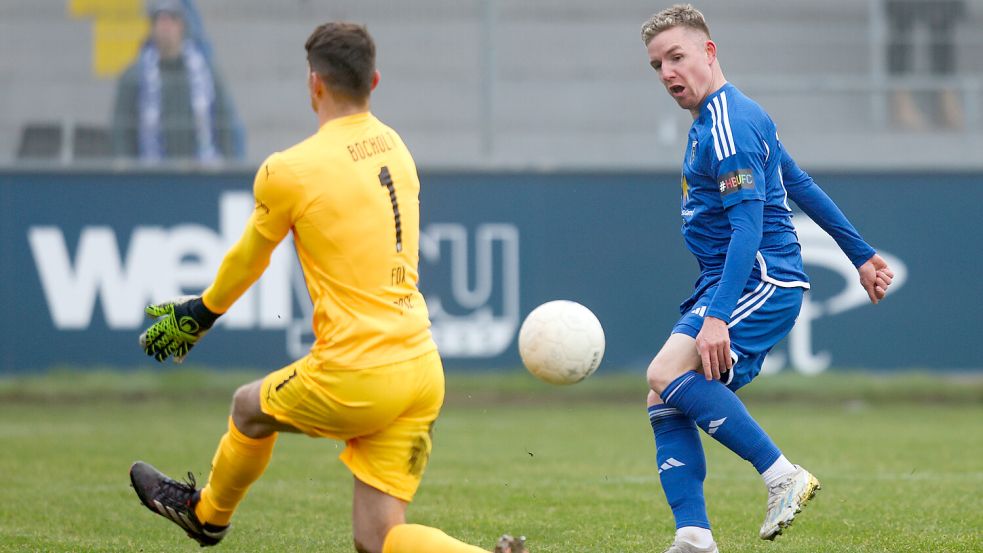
point(686, 212)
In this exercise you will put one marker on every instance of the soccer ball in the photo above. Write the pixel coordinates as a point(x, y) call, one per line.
point(561, 342)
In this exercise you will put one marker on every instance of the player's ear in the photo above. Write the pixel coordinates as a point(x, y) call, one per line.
point(711, 50)
point(375, 79)
point(312, 80)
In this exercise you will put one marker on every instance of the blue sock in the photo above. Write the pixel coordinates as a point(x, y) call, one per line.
point(720, 413)
point(682, 466)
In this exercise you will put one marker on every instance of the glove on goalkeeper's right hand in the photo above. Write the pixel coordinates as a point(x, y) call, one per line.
point(181, 322)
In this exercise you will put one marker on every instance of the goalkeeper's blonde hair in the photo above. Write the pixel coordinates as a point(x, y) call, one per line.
point(679, 15)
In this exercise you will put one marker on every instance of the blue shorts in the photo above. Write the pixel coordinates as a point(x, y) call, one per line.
point(763, 316)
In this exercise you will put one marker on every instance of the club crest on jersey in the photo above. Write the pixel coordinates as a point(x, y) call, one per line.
point(736, 180)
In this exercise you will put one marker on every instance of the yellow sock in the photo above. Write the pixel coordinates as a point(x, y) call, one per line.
point(413, 538)
point(238, 462)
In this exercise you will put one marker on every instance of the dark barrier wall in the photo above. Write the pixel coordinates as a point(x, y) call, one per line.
point(81, 254)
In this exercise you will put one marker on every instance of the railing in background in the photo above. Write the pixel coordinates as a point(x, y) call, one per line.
point(511, 84)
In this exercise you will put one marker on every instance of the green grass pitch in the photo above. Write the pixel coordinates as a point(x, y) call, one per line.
point(573, 469)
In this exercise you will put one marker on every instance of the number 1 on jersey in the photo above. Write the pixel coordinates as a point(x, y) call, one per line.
point(385, 179)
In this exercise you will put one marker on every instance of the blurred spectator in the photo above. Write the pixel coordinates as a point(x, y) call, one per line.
point(171, 104)
point(939, 18)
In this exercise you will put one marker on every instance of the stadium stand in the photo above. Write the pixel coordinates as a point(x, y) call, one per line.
point(513, 84)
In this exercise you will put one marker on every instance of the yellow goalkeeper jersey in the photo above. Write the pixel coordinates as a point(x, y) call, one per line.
point(350, 193)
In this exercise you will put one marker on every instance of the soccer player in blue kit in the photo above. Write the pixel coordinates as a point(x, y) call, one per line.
point(737, 179)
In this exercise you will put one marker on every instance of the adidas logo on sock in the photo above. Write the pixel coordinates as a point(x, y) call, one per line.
point(714, 425)
point(670, 463)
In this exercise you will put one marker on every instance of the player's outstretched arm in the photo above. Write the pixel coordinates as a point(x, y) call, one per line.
point(242, 266)
point(875, 277)
point(815, 203)
point(181, 322)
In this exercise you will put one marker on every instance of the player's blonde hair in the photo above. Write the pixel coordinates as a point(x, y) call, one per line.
point(679, 15)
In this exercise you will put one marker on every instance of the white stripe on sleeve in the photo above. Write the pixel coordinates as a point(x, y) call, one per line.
point(726, 118)
point(719, 123)
point(713, 131)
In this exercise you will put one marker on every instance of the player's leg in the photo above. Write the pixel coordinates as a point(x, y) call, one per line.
point(240, 459)
point(790, 487)
point(764, 320)
point(243, 452)
point(388, 466)
point(679, 454)
point(374, 514)
point(714, 408)
point(709, 403)
point(379, 525)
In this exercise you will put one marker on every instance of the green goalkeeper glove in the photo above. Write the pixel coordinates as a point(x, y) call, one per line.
point(181, 322)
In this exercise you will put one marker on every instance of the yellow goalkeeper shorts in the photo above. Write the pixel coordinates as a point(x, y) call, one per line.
point(384, 414)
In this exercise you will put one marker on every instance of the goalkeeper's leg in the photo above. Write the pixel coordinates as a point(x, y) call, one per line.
point(241, 457)
point(388, 464)
point(379, 526)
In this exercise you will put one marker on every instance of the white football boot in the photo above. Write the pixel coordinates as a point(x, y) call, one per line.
point(680, 546)
point(785, 499)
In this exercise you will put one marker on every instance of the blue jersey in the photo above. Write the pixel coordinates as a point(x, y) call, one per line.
point(732, 156)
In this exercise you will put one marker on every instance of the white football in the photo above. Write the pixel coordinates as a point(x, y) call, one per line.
point(561, 342)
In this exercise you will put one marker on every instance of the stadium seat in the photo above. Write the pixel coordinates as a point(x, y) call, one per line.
point(53, 141)
point(91, 142)
point(40, 141)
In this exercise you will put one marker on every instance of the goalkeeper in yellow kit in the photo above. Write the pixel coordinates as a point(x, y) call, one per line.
point(373, 378)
